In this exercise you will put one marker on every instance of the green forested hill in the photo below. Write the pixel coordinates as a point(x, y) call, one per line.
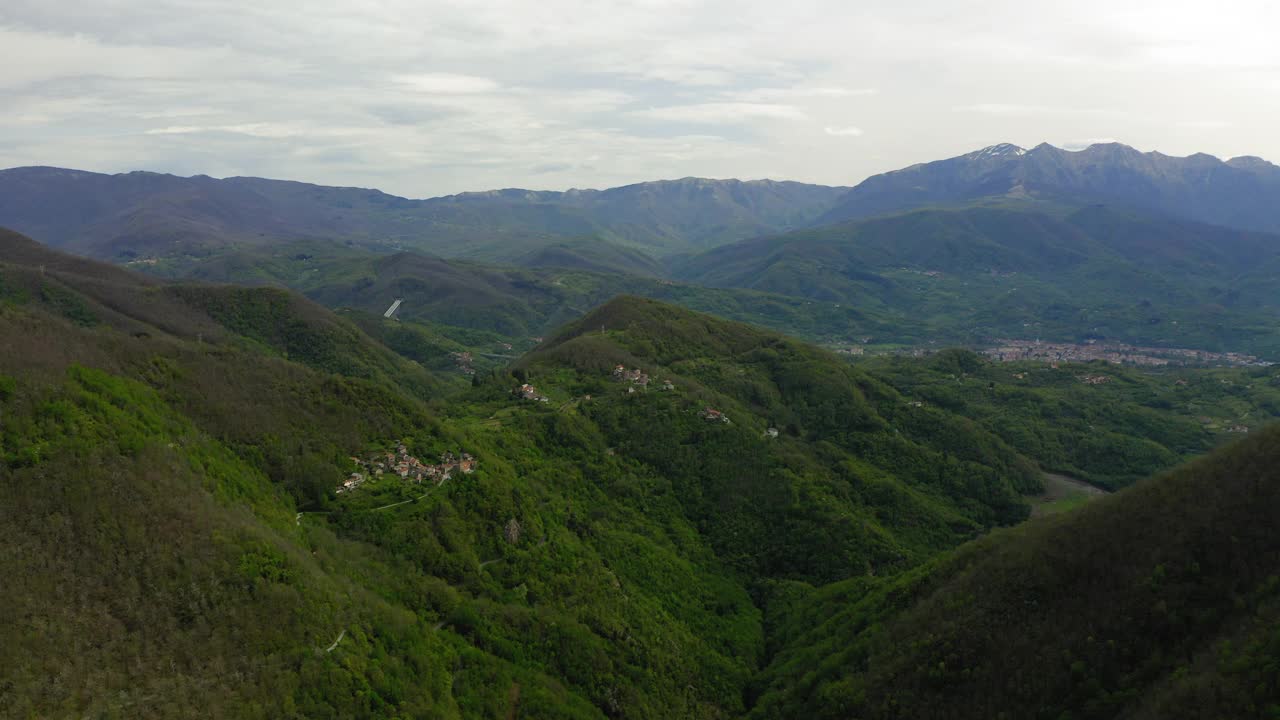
point(161, 440)
point(1019, 269)
point(592, 254)
point(168, 471)
point(1107, 424)
point(1162, 601)
point(515, 302)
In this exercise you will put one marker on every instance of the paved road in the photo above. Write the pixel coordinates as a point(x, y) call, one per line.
point(335, 642)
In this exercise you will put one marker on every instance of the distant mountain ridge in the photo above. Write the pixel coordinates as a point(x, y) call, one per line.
point(1025, 267)
point(143, 213)
point(1242, 193)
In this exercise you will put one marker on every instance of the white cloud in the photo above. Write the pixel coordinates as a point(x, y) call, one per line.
point(1205, 124)
point(1016, 110)
point(258, 130)
point(846, 131)
point(790, 94)
point(724, 113)
point(447, 84)
point(425, 97)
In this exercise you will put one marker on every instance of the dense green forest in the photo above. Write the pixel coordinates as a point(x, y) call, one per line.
point(729, 526)
point(1004, 268)
point(1108, 424)
point(1159, 602)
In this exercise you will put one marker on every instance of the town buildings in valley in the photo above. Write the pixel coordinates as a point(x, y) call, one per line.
point(1007, 350)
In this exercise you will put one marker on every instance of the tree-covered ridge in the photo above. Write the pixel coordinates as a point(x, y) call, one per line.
point(1017, 269)
point(1159, 602)
point(1107, 424)
point(214, 443)
point(622, 591)
point(171, 453)
point(513, 299)
point(905, 480)
point(144, 214)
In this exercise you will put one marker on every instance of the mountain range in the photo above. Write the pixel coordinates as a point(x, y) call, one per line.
point(142, 214)
point(577, 470)
point(1238, 193)
point(145, 214)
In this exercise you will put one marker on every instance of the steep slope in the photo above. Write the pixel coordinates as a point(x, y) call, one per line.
point(1159, 602)
point(168, 475)
point(515, 303)
point(990, 271)
point(148, 214)
point(905, 480)
point(595, 255)
point(1239, 193)
point(1106, 424)
point(154, 458)
point(169, 466)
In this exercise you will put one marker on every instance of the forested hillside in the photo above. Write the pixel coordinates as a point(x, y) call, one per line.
point(1022, 269)
point(1108, 424)
point(528, 299)
point(1160, 602)
point(231, 501)
point(161, 442)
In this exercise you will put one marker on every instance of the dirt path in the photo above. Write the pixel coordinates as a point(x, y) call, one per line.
point(513, 701)
point(406, 502)
point(1062, 493)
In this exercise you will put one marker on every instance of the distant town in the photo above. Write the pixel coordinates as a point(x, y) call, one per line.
point(1011, 350)
point(1116, 353)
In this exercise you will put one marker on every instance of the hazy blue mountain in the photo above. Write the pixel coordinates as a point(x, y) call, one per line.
point(1243, 192)
point(145, 214)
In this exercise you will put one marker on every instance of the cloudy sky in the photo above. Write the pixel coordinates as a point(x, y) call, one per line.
point(427, 97)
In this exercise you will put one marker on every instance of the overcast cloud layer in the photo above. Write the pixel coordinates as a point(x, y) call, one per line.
point(427, 97)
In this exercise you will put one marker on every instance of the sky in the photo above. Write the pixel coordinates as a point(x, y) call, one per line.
point(428, 97)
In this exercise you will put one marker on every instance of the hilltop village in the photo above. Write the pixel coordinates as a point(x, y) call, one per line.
point(408, 467)
point(636, 380)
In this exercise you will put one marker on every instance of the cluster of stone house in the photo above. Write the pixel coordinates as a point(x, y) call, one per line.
point(712, 415)
point(637, 379)
point(1095, 379)
point(463, 361)
point(408, 467)
point(530, 393)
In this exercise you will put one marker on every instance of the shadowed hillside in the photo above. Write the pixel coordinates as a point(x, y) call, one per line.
point(232, 499)
point(1159, 602)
